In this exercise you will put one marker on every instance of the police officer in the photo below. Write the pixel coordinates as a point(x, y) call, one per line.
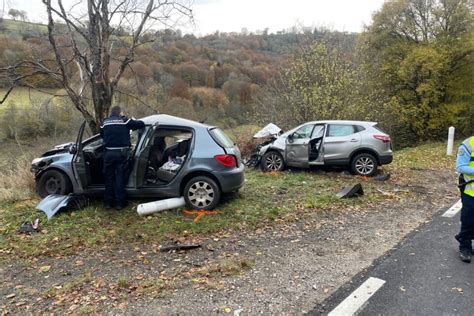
point(115, 131)
point(465, 166)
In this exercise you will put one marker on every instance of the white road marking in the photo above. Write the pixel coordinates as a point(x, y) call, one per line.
point(453, 210)
point(357, 299)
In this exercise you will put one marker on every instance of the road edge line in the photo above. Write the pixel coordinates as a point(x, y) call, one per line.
point(453, 210)
point(351, 304)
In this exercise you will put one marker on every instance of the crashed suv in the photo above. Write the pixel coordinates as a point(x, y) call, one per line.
point(171, 157)
point(360, 145)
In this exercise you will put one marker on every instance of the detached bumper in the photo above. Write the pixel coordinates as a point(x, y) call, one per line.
point(231, 180)
point(385, 160)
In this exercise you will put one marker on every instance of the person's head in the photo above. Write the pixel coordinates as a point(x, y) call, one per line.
point(115, 110)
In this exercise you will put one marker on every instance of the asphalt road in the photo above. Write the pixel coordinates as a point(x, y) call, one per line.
point(423, 276)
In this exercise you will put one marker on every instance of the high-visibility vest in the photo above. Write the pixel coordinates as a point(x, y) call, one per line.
point(469, 144)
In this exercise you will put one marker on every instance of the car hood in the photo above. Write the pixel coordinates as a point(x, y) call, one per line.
point(62, 148)
point(269, 130)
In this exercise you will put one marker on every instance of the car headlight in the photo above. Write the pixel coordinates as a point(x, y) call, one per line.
point(36, 161)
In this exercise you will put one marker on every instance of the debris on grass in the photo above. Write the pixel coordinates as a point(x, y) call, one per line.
point(198, 214)
point(352, 191)
point(179, 247)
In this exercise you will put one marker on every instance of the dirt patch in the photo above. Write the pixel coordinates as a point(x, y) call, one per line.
point(287, 267)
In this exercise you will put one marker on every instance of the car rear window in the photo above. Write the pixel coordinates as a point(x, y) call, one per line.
point(377, 127)
point(221, 138)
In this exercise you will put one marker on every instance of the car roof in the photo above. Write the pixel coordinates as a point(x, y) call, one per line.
point(344, 122)
point(165, 119)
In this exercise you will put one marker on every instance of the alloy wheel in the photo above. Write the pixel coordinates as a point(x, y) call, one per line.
point(273, 162)
point(201, 194)
point(364, 165)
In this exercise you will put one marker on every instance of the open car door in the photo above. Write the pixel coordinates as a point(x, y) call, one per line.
point(297, 146)
point(78, 161)
point(316, 148)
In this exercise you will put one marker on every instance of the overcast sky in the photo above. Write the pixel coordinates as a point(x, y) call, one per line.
point(234, 15)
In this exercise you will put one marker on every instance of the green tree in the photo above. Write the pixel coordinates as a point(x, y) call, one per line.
point(416, 53)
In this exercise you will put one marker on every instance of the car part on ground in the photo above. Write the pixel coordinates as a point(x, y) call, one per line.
point(159, 206)
point(53, 203)
point(179, 247)
point(351, 191)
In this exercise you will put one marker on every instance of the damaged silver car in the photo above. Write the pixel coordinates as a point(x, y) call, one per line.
point(361, 146)
point(171, 157)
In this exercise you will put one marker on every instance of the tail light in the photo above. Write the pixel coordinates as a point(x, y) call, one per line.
point(385, 139)
point(228, 161)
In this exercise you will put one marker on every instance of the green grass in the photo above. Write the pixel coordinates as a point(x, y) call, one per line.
point(265, 199)
point(23, 26)
point(22, 96)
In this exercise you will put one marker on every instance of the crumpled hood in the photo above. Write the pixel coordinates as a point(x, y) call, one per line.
point(58, 149)
point(269, 130)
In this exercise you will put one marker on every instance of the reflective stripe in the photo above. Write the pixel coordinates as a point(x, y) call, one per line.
point(116, 148)
point(469, 143)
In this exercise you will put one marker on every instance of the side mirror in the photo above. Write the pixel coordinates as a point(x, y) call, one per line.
point(73, 149)
point(290, 138)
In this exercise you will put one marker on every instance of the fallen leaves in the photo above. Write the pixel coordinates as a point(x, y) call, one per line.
point(44, 269)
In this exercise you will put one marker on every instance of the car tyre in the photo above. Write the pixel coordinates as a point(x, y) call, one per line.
point(272, 161)
point(53, 182)
point(364, 164)
point(202, 193)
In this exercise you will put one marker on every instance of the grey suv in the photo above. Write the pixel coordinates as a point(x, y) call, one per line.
point(171, 157)
point(360, 145)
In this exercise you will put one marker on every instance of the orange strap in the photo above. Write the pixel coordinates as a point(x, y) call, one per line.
point(199, 214)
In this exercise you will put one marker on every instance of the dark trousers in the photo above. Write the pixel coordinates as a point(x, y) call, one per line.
point(114, 172)
point(466, 234)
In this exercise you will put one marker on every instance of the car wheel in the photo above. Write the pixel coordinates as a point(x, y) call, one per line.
point(53, 182)
point(202, 193)
point(364, 165)
point(272, 161)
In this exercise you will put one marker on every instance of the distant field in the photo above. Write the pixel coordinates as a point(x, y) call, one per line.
point(20, 26)
point(23, 96)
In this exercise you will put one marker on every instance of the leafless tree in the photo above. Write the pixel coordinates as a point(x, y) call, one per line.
point(83, 59)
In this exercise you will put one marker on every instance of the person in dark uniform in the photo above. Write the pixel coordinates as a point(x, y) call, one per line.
point(115, 131)
point(465, 166)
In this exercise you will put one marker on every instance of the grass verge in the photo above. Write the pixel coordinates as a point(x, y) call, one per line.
point(266, 198)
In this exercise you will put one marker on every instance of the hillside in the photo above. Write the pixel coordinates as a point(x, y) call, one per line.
point(215, 77)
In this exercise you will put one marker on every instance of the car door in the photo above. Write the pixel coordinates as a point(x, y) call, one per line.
point(142, 154)
point(78, 160)
point(316, 148)
point(340, 141)
point(297, 146)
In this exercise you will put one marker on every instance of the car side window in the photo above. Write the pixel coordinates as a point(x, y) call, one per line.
point(318, 132)
point(338, 130)
point(303, 132)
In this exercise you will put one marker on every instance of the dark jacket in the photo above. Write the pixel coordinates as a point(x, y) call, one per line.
point(115, 131)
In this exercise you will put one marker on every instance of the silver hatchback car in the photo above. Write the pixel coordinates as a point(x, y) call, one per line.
point(171, 157)
point(360, 145)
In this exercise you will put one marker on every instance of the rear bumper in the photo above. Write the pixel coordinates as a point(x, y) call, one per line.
point(385, 160)
point(231, 180)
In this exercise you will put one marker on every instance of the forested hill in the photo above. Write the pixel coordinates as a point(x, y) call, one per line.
point(214, 77)
point(411, 70)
